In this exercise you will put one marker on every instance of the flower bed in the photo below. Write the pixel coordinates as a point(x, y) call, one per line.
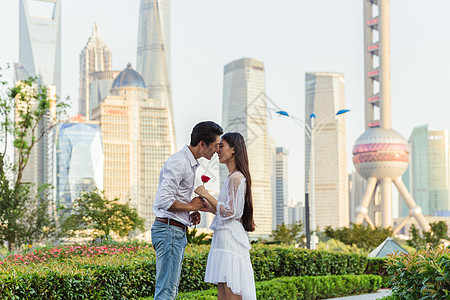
point(65, 252)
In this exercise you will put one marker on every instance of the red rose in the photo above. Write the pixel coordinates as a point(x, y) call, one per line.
point(205, 179)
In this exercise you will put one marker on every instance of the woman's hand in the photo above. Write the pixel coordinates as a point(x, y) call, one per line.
point(202, 192)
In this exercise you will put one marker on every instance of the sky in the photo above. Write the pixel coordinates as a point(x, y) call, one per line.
point(290, 37)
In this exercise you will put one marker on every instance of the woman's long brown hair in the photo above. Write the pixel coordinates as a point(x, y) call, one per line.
point(236, 140)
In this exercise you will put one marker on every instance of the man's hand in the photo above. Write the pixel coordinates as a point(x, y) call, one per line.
point(196, 203)
point(208, 207)
point(195, 217)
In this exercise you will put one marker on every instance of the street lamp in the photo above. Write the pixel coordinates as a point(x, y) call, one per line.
point(311, 132)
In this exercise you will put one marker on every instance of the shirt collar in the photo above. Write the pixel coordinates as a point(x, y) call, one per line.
point(192, 160)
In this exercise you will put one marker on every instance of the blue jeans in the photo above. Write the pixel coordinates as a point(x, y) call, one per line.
point(169, 242)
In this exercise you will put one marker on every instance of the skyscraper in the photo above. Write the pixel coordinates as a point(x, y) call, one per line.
point(244, 110)
point(40, 55)
point(153, 55)
point(427, 176)
point(136, 142)
point(282, 197)
point(356, 188)
point(296, 212)
point(272, 176)
point(95, 57)
point(40, 40)
point(78, 157)
point(324, 96)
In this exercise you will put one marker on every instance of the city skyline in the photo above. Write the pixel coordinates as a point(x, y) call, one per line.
point(333, 44)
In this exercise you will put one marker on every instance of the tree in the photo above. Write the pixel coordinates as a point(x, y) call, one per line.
point(288, 234)
point(416, 240)
point(437, 232)
point(24, 213)
point(431, 238)
point(94, 215)
point(363, 236)
point(197, 239)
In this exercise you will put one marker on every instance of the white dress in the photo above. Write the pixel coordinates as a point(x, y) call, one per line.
point(229, 258)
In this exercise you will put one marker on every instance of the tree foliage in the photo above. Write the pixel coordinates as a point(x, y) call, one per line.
point(94, 215)
point(431, 238)
point(363, 236)
point(197, 239)
point(288, 234)
point(24, 213)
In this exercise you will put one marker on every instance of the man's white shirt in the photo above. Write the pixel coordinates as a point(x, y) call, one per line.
point(176, 182)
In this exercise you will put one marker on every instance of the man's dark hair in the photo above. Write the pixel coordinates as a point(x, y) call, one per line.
point(205, 131)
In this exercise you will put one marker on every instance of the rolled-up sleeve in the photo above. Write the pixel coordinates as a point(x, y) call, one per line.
point(170, 180)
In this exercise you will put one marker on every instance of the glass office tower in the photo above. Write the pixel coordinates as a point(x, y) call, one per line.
point(427, 176)
point(40, 40)
point(78, 160)
point(244, 110)
point(153, 56)
point(282, 197)
point(324, 96)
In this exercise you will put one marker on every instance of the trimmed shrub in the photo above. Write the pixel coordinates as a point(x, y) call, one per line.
point(378, 266)
point(125, 276)
point(194, 268)
point(132, 274)
point(278, 261)
point(210, 294)
point(309, 287)
point(421, 275)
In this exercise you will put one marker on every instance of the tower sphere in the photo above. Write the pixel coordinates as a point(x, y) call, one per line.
point(381, 153)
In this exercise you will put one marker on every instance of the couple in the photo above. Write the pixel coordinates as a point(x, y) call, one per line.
point(228, 263)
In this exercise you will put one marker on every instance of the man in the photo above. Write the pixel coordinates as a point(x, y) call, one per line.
point(173, 204)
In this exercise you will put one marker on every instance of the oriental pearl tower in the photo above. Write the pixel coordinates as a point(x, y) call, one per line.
point(381, 154)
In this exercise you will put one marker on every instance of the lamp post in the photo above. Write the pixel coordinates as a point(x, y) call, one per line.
point(312, 131)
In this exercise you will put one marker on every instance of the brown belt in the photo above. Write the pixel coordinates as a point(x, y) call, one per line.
point(171, 222)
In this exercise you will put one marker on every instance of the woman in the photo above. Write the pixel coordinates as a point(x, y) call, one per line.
point(229, 263)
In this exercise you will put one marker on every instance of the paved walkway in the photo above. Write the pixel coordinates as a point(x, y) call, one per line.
point(378, 295)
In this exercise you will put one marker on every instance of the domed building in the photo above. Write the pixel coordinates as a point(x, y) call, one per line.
point(128, 78)
point(136, 142)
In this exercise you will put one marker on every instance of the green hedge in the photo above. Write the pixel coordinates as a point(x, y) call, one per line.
point(127, 276)
point(130, 280)
point(420, 275)
point(309, 287)
point(278, 261)
point(133, 274)
point(378, 266)
point(272, 261)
